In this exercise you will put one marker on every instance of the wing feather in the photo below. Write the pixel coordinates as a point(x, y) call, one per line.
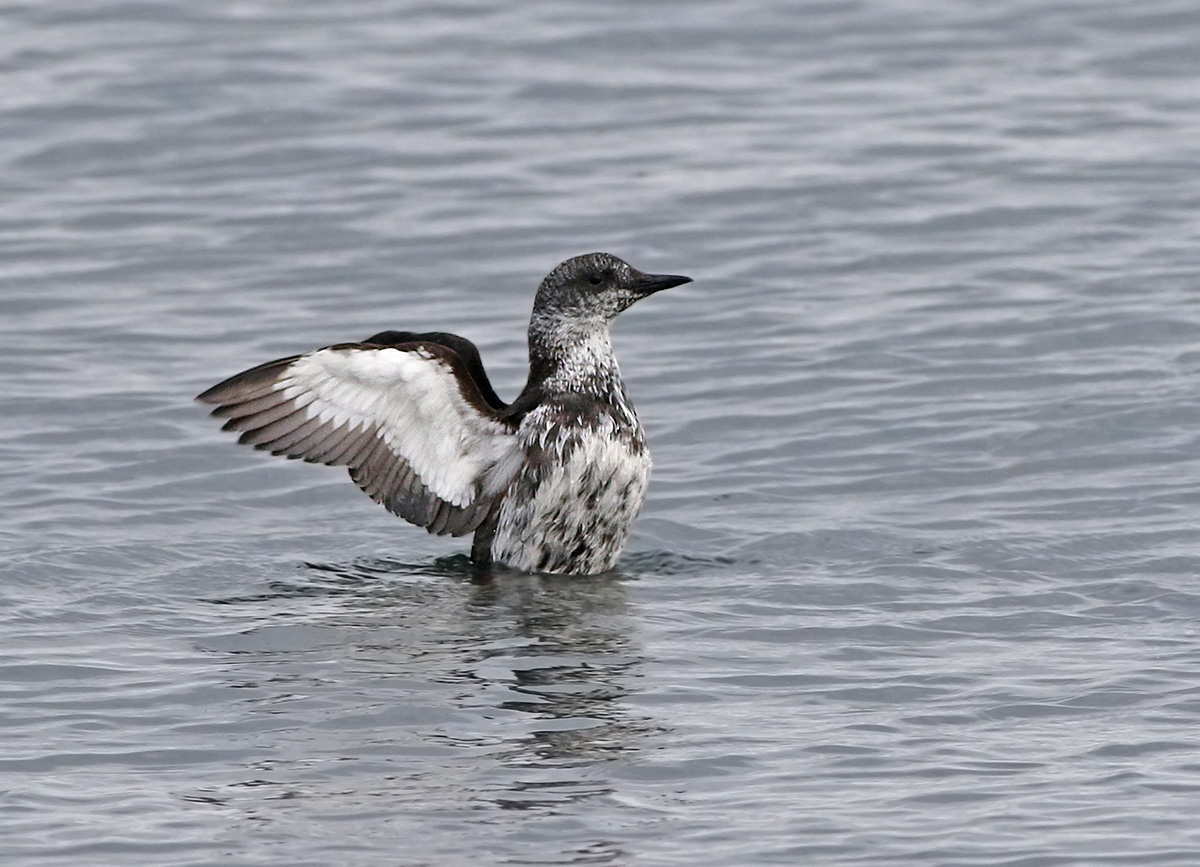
point(294, 441)
point(359, 448)
point(252, 406)
point(409, 419)
point(271, 414)
point(340, 453)
point(270, 427)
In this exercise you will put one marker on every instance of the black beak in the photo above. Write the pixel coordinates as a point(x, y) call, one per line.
point(648, 284)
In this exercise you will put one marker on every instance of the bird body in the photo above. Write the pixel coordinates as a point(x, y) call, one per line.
point(579, 487)
point(548, 483)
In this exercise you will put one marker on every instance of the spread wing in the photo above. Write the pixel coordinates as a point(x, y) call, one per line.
point(406, 416)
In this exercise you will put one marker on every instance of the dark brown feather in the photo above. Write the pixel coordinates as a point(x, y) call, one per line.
point(260, 431)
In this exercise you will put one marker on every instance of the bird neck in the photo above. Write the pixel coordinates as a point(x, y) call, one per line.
point(572, 356)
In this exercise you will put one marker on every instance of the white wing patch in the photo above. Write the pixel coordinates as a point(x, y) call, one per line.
point(414, 402)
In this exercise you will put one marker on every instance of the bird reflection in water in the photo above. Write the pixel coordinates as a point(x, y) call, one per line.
point(573, 664)
point(541, 663)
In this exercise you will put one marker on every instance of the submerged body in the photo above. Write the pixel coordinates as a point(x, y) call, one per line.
point(548, 483)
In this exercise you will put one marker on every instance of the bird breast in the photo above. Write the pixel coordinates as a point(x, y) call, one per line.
point(583, 483)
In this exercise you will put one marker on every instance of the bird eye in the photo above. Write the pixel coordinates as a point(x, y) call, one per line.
point(595, 279)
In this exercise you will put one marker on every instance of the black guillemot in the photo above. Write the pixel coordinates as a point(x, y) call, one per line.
point(548, 483)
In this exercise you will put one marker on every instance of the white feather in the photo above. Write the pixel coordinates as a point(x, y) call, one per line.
point(421, 414)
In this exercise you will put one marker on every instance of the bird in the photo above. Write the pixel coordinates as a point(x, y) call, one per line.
point(549, 483)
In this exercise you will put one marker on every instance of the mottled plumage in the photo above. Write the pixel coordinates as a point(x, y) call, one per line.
point(548, 483)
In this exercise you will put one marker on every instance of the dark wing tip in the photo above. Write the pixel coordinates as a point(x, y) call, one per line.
point(211, 395)
point(246, 385)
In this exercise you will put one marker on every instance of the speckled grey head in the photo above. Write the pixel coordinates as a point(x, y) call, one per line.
point(597, 285)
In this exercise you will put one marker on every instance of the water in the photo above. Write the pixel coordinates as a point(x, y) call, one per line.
point(917, 579)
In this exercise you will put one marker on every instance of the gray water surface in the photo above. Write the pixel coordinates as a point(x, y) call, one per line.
point(917, 581)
